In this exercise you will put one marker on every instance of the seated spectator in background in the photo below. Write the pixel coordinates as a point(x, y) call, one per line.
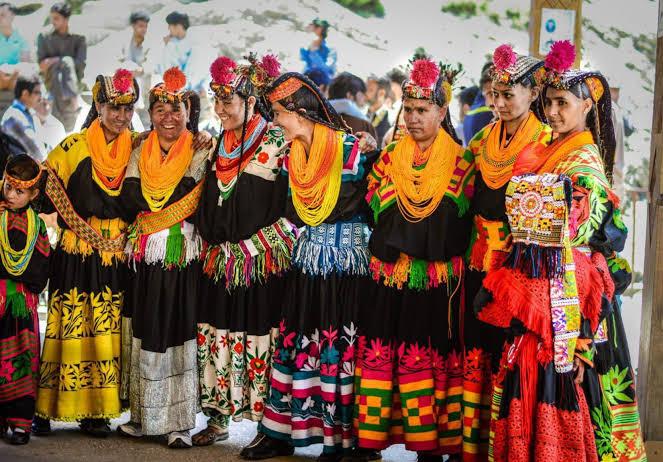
point(481, 112)
point(13, 50)
point(318, 55)
point(321, 79)
point(18, 120)
point(50, 130)
point(378, 92)
point(62, 57)
point(134, 57)
point(466, 99)
point(347, 93)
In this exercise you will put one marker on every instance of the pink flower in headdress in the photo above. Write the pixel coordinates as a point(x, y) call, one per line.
point(424, 73)
point(561, 56)
point(271, 65)
point(174, 79)
point(123, 80)
point(504, 57)
point(222, 70)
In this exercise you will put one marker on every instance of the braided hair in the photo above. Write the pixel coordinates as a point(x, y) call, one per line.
point(309, 102)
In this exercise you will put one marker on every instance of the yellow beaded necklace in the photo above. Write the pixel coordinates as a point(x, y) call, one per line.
point(16, 261)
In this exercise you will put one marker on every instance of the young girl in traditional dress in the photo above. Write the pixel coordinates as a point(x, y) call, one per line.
point(24, 251)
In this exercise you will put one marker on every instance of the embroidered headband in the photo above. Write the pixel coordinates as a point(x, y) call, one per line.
point(22, 184)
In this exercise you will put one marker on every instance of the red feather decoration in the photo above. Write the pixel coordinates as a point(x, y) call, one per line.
point(174, 80)
point(223, 70)
point(424, 73)
point(504, 57)
point(561, 57)
point(123, 80)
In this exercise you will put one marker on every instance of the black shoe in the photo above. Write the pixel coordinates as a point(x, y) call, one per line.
point(19, 438)
point(335, 457)
point(264, 447)
point(98, 428)
point(41, 426)
point(363, 455)
point(428, 457)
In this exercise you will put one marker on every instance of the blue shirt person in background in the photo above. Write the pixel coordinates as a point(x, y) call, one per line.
point(18, 120)
point(318, 55)
point(13, 50)
point(481, 111)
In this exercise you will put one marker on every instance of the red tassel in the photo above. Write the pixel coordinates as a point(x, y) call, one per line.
point(479, 250)
point(529, 371)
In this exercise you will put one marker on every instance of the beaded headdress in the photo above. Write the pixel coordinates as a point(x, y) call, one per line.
point(171, 90)
point(511, 68)
point(119, 89)
point(246, 80)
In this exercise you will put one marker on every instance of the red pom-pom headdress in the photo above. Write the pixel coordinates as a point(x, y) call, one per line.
point(271, 65)
point(561, 57)
point(424, 73)
point(222, 70)
point(118, 89)
point(244, 79)
point(174, 80)
point(171, 90)
point(123, 80)
point(504, 57)
point(510, 68)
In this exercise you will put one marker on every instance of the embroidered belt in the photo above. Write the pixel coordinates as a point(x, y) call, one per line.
point(152, 222)
point(58, 196)
point(333, 248)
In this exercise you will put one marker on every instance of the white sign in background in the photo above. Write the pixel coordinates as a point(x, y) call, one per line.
point(556, 24)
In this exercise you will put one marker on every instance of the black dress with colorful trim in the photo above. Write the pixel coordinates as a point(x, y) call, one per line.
point(247, 248)
point(312, 384)
point(488, 248)
point(159, 319)
point(80, 360)
point(409, 376)
point(19, 324)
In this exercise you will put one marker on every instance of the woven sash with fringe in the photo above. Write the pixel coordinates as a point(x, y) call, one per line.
point(152, 222)
point(58, 196)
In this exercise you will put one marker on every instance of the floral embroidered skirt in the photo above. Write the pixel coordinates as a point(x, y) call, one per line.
point(160, 320)
point(19, 364)
point(236, 337)
point(410, 370)
point(80, 362)
point(311, 394)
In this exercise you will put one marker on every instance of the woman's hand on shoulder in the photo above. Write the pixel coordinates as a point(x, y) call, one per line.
point(202, 140)
point(366, 142)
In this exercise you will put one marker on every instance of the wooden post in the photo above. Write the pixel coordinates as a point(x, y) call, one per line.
point(650, 377)
point(535, 24)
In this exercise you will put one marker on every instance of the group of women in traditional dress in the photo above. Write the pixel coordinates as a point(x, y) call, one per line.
point(464, 302)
